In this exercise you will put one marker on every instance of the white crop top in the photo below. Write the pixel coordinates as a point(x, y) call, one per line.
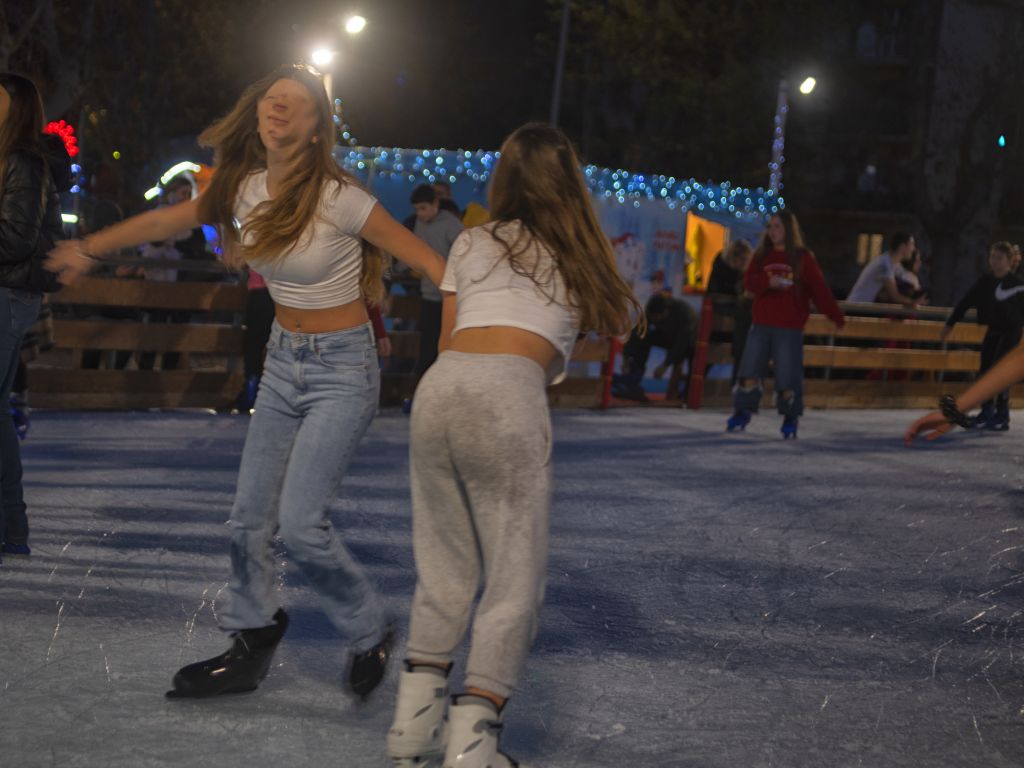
point(323, 268)
point(490, 292)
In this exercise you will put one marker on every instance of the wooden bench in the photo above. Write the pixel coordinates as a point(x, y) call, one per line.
point(884, 357)
point(210, 344)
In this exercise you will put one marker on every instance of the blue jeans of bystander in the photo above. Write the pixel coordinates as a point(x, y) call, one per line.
point(18, 310)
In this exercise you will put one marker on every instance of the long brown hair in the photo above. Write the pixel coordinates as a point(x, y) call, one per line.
point(538, 182)
point(24, 124)
point(277, 225)
point(794, 245)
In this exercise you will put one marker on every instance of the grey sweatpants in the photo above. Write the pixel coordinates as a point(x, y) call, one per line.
point(480, 453)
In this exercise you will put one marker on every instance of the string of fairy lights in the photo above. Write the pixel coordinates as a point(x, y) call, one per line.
point(624, 187)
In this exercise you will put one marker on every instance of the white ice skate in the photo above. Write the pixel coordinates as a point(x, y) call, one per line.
point(416, 738)
point(473, 730)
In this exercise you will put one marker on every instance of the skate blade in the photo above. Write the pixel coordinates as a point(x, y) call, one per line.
point(180, 694)
point(429, 761)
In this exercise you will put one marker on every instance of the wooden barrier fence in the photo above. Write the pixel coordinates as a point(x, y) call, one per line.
point(886, 356)
point(208, 335)
point(209, 343)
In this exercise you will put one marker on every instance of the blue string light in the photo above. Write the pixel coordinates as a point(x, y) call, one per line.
point(743, 203)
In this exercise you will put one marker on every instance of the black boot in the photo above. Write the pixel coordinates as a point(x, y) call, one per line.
point(367, 669)
point(241, 668)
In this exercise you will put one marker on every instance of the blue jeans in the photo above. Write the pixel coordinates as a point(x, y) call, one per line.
point(317, 396)
point(784, 346)
point(18, 310)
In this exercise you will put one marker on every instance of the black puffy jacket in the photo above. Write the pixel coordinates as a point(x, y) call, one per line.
point(30, 222)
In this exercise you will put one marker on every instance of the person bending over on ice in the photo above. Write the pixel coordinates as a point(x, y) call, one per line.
point(784, 278)
point(999, 299)
point(517, 292)
point(285, 207)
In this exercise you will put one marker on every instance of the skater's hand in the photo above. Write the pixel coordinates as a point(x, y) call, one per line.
point(660, 370)
point(384, 347)
point(69, 260)
point(931, 426)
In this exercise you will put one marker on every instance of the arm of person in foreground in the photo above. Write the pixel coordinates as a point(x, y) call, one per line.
point(391, 237)
point(73, 258)
point(448, 308)
point(1006, 372)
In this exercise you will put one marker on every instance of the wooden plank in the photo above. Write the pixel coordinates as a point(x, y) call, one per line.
point(896, 359)
point(882, 329)
point(844, 393)
point(591, 351)
point(151, 294)
point(404, 308)
point(147, 337)
point(127, 390)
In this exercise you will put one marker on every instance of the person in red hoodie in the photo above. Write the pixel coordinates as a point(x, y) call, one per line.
point(784, 278)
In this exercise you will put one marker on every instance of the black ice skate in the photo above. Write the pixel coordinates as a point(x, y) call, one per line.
point(367, 669)
point(241, 668)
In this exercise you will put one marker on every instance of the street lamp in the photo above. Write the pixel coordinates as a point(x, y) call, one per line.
point(779, 130)
point(322, 57)
point(355, 24)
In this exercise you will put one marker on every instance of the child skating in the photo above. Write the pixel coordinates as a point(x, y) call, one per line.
point(999, 300)
point(517, 292)
point(784, 278)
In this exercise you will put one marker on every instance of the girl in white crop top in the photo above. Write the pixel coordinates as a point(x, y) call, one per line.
point(517, 292)
point(285, 207)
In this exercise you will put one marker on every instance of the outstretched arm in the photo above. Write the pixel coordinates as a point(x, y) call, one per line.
point(388, 235)
point(1006, 372)
point(73, 258)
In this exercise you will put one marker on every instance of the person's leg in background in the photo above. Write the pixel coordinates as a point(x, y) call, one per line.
point(788, 353)
point(18, 310)
point(749, 388)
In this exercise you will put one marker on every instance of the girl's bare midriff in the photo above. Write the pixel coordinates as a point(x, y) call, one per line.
point(503, 340)
point(322, 320)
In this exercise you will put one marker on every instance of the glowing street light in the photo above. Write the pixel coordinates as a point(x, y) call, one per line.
point(321, 56)
point(355, 24)
point(779, 131)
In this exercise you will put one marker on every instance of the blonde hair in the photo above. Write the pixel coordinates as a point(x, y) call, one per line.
point(276, 225)
point(538, 182)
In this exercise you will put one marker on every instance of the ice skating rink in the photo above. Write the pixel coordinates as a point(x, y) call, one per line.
point(714, 599)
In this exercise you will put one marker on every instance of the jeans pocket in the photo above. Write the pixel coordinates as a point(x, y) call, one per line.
point(23, 308)
point(343, 357)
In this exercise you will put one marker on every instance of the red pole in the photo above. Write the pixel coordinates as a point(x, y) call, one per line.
point(608, 370)
point(700, 355)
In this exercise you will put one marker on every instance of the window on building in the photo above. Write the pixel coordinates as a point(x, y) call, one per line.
point(869, 246)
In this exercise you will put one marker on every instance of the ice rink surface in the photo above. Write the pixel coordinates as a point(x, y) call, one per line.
point(714, 599)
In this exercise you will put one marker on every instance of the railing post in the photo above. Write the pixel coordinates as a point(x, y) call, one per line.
point(695, 394)
point(608, 371)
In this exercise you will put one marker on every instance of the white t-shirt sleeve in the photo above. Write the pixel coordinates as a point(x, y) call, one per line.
point(349, 207)
point(886, 270)
point(458, 250)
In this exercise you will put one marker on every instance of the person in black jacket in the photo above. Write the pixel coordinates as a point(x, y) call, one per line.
point(999, 299)
point(30, 225)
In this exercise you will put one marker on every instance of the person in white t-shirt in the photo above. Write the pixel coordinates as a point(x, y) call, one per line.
point(877, 281)
point(285, 207)
point(516, 293)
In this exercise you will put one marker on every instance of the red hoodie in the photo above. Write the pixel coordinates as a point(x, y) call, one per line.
point(788, 306)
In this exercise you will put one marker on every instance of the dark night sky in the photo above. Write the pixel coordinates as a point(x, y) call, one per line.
point(427, 74)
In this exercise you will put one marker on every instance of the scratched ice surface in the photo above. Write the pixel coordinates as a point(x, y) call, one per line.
point(714, 600)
